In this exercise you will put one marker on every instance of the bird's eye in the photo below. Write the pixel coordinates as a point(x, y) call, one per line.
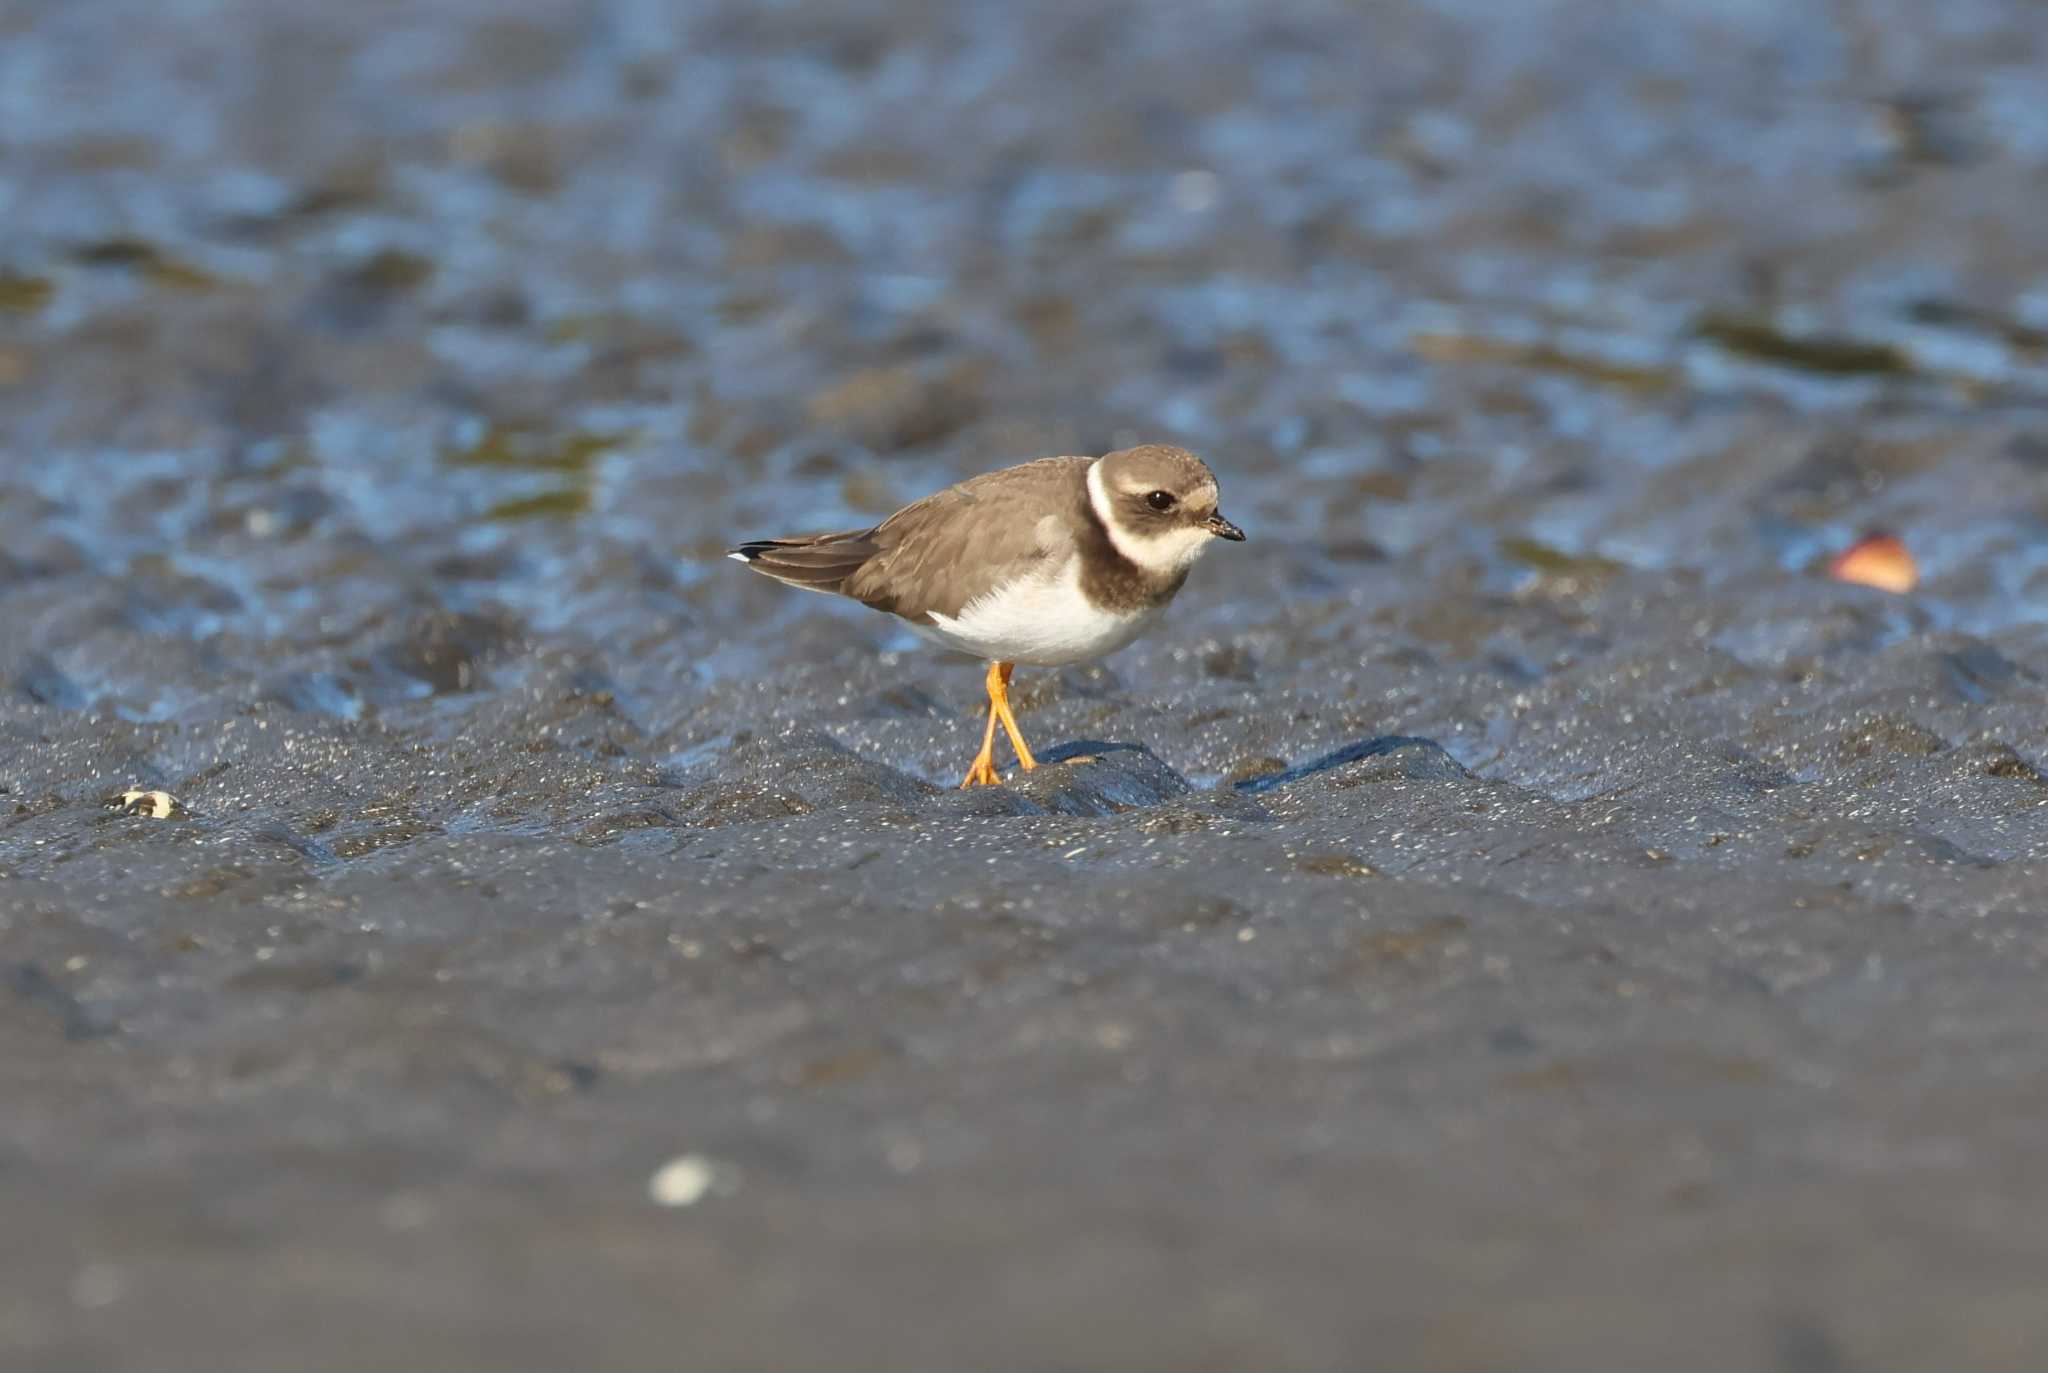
point(1160, 500)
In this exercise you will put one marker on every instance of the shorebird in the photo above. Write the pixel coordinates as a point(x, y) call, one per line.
point(1047, 563)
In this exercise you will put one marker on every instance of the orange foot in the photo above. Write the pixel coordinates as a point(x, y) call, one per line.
point(982, 774)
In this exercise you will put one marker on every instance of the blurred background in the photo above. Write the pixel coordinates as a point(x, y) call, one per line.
point(545, 302)
point(380, 382)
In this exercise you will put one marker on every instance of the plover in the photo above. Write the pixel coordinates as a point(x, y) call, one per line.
point(1047, 563)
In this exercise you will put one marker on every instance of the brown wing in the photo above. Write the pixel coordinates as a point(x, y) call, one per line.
point(935, 556)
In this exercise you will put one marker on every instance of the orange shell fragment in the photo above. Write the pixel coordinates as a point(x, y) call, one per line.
point(1880, 560)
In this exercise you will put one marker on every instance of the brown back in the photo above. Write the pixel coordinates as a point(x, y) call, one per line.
point(938, 554)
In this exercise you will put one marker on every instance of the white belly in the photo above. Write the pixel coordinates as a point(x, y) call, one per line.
point(1042, 621)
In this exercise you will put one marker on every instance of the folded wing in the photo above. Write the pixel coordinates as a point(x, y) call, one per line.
point(941, 553)
point(951, 548)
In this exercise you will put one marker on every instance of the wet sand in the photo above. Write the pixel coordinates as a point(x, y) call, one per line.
point(1520, 912)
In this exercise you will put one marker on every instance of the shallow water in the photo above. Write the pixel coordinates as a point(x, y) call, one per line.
point(1520, 914)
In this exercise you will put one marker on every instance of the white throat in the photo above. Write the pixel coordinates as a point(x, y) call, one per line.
point(1162, 555)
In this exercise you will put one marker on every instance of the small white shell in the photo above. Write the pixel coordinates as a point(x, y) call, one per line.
point(150, 805)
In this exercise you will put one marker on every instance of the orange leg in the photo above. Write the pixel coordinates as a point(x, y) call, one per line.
point(999, 700)
point(982, 772)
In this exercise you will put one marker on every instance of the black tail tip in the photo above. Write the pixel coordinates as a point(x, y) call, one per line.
point(747, 552)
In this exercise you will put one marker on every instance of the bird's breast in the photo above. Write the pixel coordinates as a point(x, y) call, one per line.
point(1046, 621)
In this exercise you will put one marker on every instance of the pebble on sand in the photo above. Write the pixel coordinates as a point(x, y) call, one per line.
point(150, 805)
point(1881, 560)
point(683, 1181)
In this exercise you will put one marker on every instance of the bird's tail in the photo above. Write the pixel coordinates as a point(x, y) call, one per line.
point(815, 562)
